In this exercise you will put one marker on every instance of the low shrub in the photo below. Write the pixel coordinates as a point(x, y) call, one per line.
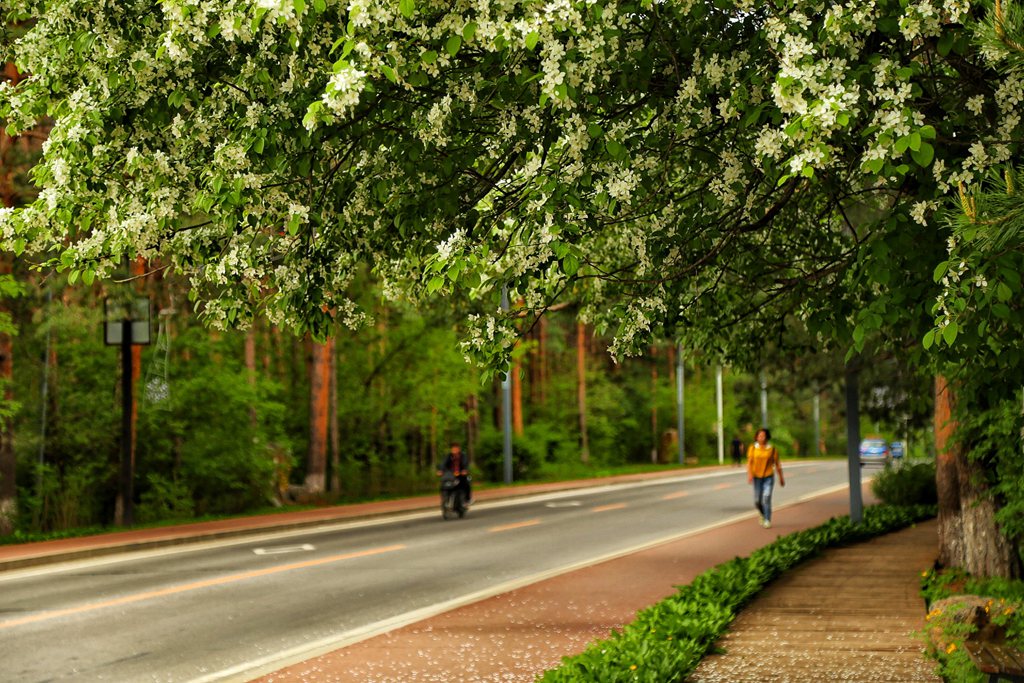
point(667, 640)
point(909, 484)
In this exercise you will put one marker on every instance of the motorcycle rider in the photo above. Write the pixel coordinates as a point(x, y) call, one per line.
point(458, 464)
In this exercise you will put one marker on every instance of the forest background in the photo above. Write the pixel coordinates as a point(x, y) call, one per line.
point(233, 422)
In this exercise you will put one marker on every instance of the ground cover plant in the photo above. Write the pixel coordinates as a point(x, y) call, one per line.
point(1002, 601)
point(668, 639)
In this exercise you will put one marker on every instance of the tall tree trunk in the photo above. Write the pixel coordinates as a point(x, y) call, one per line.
point(517, 397)
point(472, 426)
point(655, 441)
point(581, 388)
point(968, 535)
point(542, 352)
point(250, 367)
point(319, 403)
point(8, 464)
point(333, 422)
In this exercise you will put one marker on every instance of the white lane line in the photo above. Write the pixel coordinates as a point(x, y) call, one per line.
point(282, 549)
point(248, 671)
point(566, 504)
point(330, 527)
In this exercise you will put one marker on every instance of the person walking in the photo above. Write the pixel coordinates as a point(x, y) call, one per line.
point(762, 463)
point(737, 450)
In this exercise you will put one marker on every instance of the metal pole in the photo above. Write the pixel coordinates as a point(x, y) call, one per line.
point(817, 421)
point(853, 441)
point(721, 418)
point(764, 400)
point(506, 403)
point(679, 400)
point(127, 514)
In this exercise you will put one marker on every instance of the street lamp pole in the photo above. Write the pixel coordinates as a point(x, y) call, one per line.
point(127, 457)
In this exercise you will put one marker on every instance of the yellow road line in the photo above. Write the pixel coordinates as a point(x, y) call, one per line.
point(186, 587)
point(517, 525)
point(677, 494)
point(606, 508)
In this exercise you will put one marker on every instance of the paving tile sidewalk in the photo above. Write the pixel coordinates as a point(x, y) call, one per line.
point(848, 615)
point(516, 636)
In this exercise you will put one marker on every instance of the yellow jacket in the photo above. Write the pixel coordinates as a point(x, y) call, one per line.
point(761, 462)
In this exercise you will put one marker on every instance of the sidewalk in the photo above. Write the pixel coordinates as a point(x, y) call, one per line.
point(517, 636)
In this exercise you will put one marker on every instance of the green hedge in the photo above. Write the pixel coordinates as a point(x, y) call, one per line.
point(667, 640)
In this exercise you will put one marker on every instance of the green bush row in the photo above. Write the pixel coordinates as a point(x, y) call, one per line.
point(667, 640)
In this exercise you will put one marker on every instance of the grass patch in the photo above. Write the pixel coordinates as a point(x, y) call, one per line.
point(667, 640)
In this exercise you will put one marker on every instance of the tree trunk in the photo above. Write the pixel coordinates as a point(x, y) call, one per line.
point(517, 397)
point(250, 367)
point(655, 441)
point(8, 464)
point(581, 388)
point(542, 352)
point(968, 535)
point(319, 403)
point(333, 422)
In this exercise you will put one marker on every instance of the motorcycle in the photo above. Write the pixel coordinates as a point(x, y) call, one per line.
point(453, 503)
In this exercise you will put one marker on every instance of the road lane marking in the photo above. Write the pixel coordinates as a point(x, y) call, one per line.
point(269, 664)
point(325, 526)
point(612, 506)
point(197, 585)
point(566, 504)
point(283, 549)
point(677, 494)
point(516, 525)
point(719, 487)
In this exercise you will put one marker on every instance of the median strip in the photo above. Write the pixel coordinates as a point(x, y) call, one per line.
point(187, 587)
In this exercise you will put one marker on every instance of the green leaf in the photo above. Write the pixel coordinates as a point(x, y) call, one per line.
point(929, 339)
point(407, 7)
point(927, 132)
point(1003, 292)
point(469, 32)
point(949, 332)
point(595, 131)
point(435, 284)
point(531, 40)
point(940, 271)
point(570, 265)
point(453, 44)
point(924, 156)
point(915, 141)
point(902, 144)
point(389, 73)
point(615, 149)
point(88, 276)
point(429, 57)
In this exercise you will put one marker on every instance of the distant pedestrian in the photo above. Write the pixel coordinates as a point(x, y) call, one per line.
point(737, 450)
point(762, 462)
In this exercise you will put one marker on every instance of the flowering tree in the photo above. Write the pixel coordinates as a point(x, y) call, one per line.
point(709, 167)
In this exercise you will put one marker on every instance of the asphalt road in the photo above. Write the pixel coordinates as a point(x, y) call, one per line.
point(218, 610)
